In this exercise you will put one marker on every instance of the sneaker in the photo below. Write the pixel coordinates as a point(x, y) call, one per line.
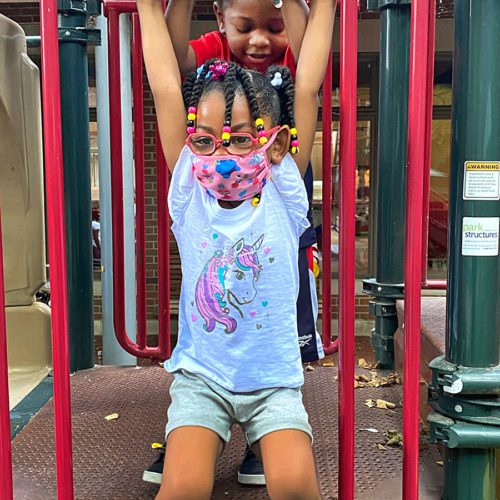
point(251, 470)
point(154, 473)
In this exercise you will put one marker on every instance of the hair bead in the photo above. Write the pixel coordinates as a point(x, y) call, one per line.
point(259, 121)
point(191, 130)
point(263, 139)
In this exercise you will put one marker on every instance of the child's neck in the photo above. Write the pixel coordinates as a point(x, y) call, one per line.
point(229, 204)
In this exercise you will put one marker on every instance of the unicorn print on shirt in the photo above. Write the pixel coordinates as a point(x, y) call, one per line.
point(227, 283)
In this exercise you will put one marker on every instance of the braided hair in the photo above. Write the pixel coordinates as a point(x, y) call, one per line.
point(269, 95)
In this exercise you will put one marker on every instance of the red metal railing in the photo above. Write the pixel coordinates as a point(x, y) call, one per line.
point(326, 234)
point(54, 189)
point(422, 23)
point(429, 284)
point(347, 203)
point(6, 491)
point(140, 211)
point(113, 9)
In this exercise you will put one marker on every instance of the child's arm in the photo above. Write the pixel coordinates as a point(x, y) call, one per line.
point(311, 68)
point(295, 14)
point(178, 22)
point(164, 78)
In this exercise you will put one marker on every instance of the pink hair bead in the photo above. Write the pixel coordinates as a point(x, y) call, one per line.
point(225, 128)
point(191, 130)
point(262, 133)
point(192, 109)
point(295, 142)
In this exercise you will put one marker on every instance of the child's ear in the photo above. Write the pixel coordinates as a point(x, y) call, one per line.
point(220, 16)
point(281, 145)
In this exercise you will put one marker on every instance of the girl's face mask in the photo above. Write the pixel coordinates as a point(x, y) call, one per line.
point(231, 177)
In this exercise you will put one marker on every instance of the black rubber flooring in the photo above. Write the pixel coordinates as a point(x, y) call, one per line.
point(109, 456)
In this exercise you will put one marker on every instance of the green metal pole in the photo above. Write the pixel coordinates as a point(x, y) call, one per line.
point(77, 192)
point(391, 174)
point(473, 315)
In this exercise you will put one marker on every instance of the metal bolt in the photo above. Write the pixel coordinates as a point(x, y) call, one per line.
point(458, 408)
point(67, 33)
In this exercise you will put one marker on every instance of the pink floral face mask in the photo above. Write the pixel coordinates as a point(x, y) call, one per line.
point(233, 177)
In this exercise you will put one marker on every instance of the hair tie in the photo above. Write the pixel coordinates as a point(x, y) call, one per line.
point(217, 70)
point(277, 81)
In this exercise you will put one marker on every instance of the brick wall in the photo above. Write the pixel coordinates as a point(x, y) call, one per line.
point(22, 13)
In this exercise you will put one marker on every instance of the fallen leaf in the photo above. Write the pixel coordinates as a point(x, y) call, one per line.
point(156, 446)
point(440, 462)
point(309, 368)
point(370, 429)
point(370, 403)
point(394, 438)
point(381, 446)
point(328, 362)
point(385, 405)
point(362, 363)
point(376, 381)
point(113, 416)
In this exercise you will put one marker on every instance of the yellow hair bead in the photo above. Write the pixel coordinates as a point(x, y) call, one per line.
point(295, 150)
point(225, 136)
point(255, 201)
point(259, 121)
point(293, 131)
point(191, 116)
point(263, 139)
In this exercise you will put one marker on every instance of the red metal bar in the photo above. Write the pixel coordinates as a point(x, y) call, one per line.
point(120, 6)
point(326, 234)
point(113, 10)
point(417, 107)
point(435, 284)
point(117, 189)
point(140, 211)
point(54, 189)
point(428, 136)
point(6, 491)
point(347, 204)
point(163, 250)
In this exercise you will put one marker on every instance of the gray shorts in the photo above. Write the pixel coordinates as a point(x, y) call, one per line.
point(201, 402)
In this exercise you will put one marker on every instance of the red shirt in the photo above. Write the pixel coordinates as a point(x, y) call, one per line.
point(213, 44)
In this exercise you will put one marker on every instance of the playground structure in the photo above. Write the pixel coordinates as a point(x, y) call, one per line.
point(469, 439)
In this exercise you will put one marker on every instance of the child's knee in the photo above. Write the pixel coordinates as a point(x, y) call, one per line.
point(292, 486)
point(185, 488)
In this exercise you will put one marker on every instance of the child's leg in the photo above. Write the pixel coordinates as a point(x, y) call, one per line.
point(289, 465)
point(190, 459)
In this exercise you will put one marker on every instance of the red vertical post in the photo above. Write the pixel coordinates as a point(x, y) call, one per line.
point(428, 137)
point(326, 233)
point(417, 102)
point(164, 342)
point(6, 491)
point(347, 203)
point(140, 215)
point(54, 189)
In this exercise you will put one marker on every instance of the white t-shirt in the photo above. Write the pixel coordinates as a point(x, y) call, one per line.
point(237, 310)
point(96, 226)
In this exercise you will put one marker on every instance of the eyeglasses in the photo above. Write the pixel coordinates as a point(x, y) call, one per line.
point(240, 144)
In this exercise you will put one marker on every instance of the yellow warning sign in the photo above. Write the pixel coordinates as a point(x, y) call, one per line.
point(486, 166)
point(481, 180)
